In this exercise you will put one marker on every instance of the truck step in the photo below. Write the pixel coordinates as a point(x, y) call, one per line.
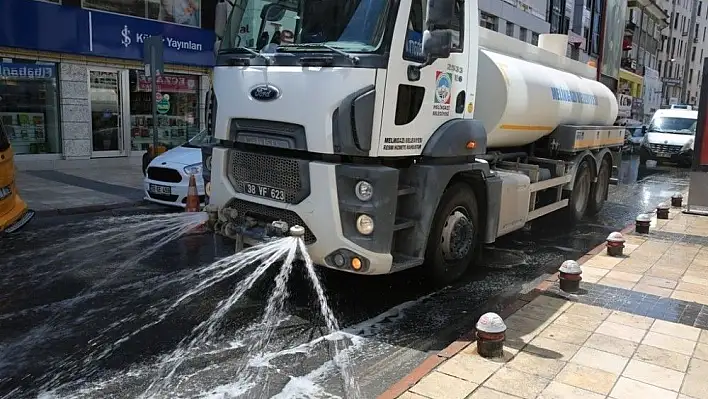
point(403, 223)
point(406, 190)
point(403, 262)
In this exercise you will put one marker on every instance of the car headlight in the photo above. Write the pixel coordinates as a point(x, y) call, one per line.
point(207, 163)
point(364, 190)
point(195, 169)
point(365, 224)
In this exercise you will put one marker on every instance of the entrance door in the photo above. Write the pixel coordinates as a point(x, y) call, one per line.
point(107, 113)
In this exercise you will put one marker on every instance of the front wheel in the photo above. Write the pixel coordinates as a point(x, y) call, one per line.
point(598, 195)
point(452, 242)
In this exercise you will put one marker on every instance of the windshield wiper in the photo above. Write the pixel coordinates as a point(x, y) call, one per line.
point(351, 57)
point(234, 50)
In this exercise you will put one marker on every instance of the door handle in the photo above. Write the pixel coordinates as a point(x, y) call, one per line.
point(460, 102)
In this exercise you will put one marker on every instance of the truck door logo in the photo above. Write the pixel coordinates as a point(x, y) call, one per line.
point(443, 87)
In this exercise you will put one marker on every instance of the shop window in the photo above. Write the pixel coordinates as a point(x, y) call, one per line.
point(29, 105)
point(177, 111)
point(183, 12)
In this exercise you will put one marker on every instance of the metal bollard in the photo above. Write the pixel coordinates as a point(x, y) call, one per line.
point(676, 200)
point(569, 277)
point(491, 333)
point(662, 211)
point(642, 223)
point(615, 244)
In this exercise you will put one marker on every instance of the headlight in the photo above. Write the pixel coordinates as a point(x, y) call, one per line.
point(365, 224)
point(195, 169)
point(364, 190)
point(207, 164)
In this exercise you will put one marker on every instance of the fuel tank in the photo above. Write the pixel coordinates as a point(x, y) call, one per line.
point(520, 101)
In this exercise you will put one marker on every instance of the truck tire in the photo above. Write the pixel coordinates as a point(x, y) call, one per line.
point(580, 196)
point(599, 189)
point(452, 241)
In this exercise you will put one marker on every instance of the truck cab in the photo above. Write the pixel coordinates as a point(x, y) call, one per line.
point(669, 133)
point(398, 134)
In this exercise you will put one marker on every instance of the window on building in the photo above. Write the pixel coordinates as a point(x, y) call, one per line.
point(704, 32)
point(659, 67)
point(676, 20)
point(509, 29)
point(534, 38)
point(673, 46)
point(178, 123)
point(523, 34)
point(30, 105)
point(700, 5)
point(690, 75)
point(488, 21)
point(179, 12)
point(693, 54)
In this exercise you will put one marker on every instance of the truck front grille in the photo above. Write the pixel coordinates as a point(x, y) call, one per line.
point(287, 174)
point(665, 148)
point(268, 214)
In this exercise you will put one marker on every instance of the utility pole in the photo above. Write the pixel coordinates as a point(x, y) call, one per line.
point(687, 61)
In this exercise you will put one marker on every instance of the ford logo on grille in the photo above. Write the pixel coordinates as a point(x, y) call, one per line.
point(265, 92)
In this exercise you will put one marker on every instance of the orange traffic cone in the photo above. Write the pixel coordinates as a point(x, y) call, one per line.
point(192, 196)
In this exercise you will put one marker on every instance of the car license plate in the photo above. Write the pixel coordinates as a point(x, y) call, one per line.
point(5, 192)
point(164, 190)
point(663, 155)
point(275, 194)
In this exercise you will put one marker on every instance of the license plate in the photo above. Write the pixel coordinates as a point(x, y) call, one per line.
point(663, 155)
point(275, 194)
point(5, 192)
point(164, 190)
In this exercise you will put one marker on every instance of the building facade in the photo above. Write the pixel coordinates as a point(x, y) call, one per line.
point(73, 82)
point(522, 19)
point(682, 50)
point(640, 59)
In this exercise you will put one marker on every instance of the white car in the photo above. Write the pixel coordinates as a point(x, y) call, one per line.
point(167, 176)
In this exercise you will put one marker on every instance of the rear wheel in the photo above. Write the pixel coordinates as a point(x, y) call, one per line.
point(598, 194)
point(452, 242)
point(580, 196)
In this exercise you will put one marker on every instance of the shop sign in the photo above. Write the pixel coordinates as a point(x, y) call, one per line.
point(163, 104)
point(169, 83)
point(45, 26)
point(624, 102)
point(26, 71)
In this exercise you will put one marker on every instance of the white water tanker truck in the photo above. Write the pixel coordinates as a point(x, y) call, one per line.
point(399, 133)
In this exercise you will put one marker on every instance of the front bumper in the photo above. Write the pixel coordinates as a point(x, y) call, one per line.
point(328, 213)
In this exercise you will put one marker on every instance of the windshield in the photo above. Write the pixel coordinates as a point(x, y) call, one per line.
point(263, 25)
point(673, 125)
point(201, 139)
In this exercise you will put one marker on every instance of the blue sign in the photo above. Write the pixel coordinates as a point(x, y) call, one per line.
point(26, 71)
point(572, 96)
point(50, 27)
point(413, 47)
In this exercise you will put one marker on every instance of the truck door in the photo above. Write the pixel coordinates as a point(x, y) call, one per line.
point(415, 106)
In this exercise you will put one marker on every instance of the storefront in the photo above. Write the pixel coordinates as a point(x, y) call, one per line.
point(630, 95)
point(29, 105)
point(81, 96)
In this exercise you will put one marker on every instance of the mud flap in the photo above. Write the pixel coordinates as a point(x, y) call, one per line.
point(19, 223)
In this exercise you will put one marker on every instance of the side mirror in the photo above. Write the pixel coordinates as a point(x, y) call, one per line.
point(272, 12)
point(644, 130)
point(437, 44)
point(440, 14)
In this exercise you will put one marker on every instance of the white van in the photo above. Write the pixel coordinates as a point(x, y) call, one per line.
point(668, 133)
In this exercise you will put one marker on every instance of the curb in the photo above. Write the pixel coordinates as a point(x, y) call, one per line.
point(510, 307)
point(80, 210)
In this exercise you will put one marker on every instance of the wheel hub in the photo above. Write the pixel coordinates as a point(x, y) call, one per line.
point(457, 236)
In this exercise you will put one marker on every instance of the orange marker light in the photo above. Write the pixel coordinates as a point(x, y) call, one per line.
point(356, 264)
point(471, 145)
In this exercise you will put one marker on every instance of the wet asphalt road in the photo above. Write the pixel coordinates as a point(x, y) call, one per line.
point(66, 317)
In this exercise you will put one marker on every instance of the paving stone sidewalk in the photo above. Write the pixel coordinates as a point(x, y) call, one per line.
point(638, 329)
point(69, 191)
